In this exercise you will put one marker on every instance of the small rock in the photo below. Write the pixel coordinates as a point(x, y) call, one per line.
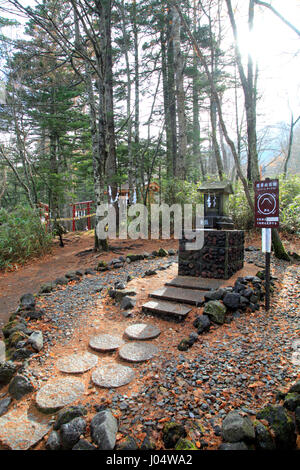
point(53, 442)
point(83, 444)
point(4, 405)
point(7, 371)
point(20, 386)
point(202, 323)
point(127, 303)
point(215, 310)
point(68, 414)
point(281, 424)
point(263, 438)
point(36, 340)
point(233, 446)
point(237, 428)
point(27, 301)
point(171, 434)
point(70, 432)
point(104, 428)
point(129, 443)
point(232, 300)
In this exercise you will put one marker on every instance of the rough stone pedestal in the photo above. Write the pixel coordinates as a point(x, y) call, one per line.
point(220, 257)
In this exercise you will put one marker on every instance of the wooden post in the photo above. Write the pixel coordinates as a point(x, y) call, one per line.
point(73, 225)
point(88, 214)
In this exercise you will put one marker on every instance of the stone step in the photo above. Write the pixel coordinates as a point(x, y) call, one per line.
point(167, 310)
point(178, 294)
point(197, 283)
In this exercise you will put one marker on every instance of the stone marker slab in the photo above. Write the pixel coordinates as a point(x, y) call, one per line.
point(112, 375)
point(105, 343)
point(196, 283)
point(138, 352)
point(170, 309)
point(58, 393)
point(142, 331)
point(2, 351)
point(77, 363)
point(21, 431)
point(178, 294)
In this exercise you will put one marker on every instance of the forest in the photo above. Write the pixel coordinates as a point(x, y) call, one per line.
point(101, 95)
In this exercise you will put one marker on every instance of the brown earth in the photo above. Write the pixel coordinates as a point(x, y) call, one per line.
point(28, 278)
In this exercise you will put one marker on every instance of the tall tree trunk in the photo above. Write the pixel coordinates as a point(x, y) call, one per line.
point(171, 90)
point(180, 168)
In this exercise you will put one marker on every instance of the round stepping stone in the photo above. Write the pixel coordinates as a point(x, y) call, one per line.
point(142, 331)
point(54, 395)
point(112, 375)
point(77, 363)
point(138, 352)
point(105, 342)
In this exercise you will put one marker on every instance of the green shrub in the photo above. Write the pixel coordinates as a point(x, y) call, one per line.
point(239, 209)
point(22, 236)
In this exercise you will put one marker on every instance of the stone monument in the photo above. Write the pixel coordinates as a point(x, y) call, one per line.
point(222, 253)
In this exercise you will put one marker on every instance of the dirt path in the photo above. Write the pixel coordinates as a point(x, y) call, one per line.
point(29, 277)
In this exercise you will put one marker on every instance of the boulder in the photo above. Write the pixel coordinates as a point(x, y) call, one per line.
point(70, 432)
point(237, 428)
point(27, 301)
point(104, 428)
point(171, 434)
point(53, 442)
point(7, 371)
point(20, 386)
point(68, 414)
point(281, 424)
point(36, 340)
point(232, 300)
point(292, 401)
point(202, 323)
point(263, 438)
point(216, 311)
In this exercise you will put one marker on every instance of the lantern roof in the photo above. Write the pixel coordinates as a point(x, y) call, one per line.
point(216, 187)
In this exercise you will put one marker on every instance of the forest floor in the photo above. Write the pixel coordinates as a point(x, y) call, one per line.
point(76, 254)
point(239, 365)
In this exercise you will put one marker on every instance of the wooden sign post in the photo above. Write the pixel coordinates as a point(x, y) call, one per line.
point(266, 204)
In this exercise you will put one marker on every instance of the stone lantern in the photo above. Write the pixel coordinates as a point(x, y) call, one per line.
point(216, 196)
point(222, 253)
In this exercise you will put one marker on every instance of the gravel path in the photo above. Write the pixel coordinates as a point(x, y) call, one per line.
point(239, 365)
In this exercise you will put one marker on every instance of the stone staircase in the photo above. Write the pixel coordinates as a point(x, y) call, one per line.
point(173, 301)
